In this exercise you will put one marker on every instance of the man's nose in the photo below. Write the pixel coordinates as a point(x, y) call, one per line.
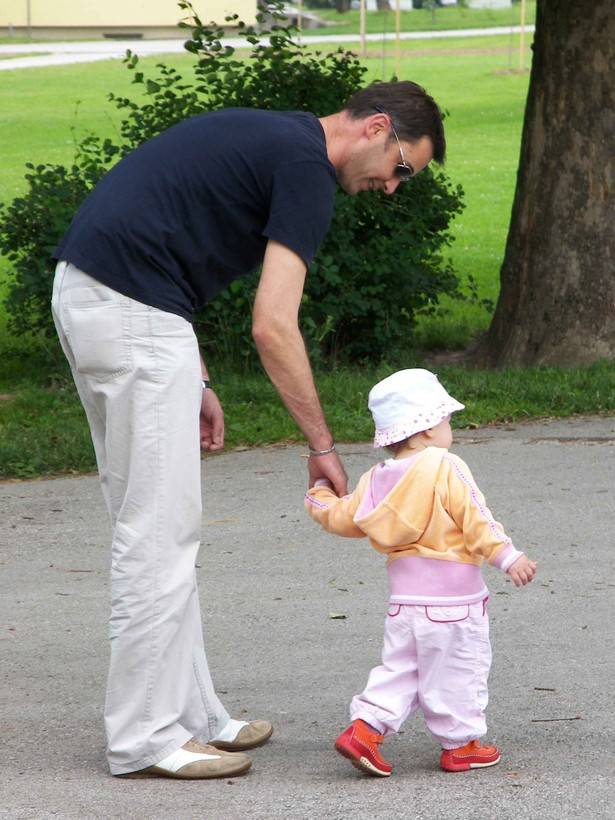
point(390, 185)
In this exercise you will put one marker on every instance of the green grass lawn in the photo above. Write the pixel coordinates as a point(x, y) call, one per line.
point(475, 80)
point(485, 103)
point(447, 18)
point(42, 107)
point(43, 431)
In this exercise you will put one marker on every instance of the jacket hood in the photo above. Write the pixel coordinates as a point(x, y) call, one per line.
point(385, 514)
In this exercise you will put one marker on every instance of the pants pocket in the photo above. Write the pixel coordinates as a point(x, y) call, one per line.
point(98, 333)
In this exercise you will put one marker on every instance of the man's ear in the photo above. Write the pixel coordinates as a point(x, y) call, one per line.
point(376, 124)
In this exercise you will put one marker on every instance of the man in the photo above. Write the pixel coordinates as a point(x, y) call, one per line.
point(169, 227)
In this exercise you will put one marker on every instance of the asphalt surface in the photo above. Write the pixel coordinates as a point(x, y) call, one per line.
point(293, 620)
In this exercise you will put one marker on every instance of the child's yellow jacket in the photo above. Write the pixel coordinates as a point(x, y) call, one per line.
point(427, 511)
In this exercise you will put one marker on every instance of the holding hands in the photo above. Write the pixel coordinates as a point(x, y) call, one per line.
point(328, 469)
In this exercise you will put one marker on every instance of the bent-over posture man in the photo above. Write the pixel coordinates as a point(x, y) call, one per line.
point(165, 230)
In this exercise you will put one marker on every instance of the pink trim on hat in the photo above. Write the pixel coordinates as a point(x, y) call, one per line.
point(404, 429)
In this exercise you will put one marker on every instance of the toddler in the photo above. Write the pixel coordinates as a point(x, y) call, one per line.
point(422, 509)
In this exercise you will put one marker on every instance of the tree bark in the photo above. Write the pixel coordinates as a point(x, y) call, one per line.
point(557, 297)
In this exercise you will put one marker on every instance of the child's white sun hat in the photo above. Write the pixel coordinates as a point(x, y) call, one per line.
point(408, 402)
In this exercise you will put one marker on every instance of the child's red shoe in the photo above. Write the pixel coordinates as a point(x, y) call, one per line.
point(470, 756)
point(359, 743)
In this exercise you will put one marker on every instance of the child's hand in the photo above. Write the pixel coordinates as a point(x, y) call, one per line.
point(522, 571)
point(323, 482)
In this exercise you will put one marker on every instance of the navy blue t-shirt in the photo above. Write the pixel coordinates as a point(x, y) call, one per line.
point(189, 211)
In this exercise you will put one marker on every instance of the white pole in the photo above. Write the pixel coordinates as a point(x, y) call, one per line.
point(522, 40)
point(397, 37)
point(362, 27)
point(299, 21)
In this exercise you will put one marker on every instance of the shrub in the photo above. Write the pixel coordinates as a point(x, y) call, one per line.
point(380, 264)
point(32, 225)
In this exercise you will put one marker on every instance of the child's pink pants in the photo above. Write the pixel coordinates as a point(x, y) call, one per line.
point(436, 659)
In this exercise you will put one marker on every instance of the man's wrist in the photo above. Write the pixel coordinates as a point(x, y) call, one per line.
point(322, 452)
point(206, 384)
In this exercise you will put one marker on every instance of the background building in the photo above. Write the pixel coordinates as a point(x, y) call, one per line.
point(124, 19)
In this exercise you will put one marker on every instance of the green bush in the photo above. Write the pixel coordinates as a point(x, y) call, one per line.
point(32, 225)
point(29, 231)
point(380, 264)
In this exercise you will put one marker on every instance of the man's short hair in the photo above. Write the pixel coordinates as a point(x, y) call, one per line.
point(413, 112)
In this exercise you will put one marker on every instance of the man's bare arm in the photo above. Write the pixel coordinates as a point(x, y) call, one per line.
point(282, 350)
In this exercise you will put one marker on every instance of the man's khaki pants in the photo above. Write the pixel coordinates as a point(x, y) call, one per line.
point(137, 370)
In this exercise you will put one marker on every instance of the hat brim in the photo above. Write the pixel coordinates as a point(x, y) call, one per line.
point(405, 428)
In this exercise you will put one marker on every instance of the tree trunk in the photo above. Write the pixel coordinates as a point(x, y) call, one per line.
point(557, 298)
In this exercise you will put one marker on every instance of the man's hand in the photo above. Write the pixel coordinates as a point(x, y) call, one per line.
point(522, 571)
point(329, 467)
point(212, 422)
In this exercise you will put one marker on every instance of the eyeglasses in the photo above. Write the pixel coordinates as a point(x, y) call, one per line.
point(403, 170)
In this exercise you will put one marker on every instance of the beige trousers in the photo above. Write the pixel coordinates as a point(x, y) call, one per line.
point(138, 374)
